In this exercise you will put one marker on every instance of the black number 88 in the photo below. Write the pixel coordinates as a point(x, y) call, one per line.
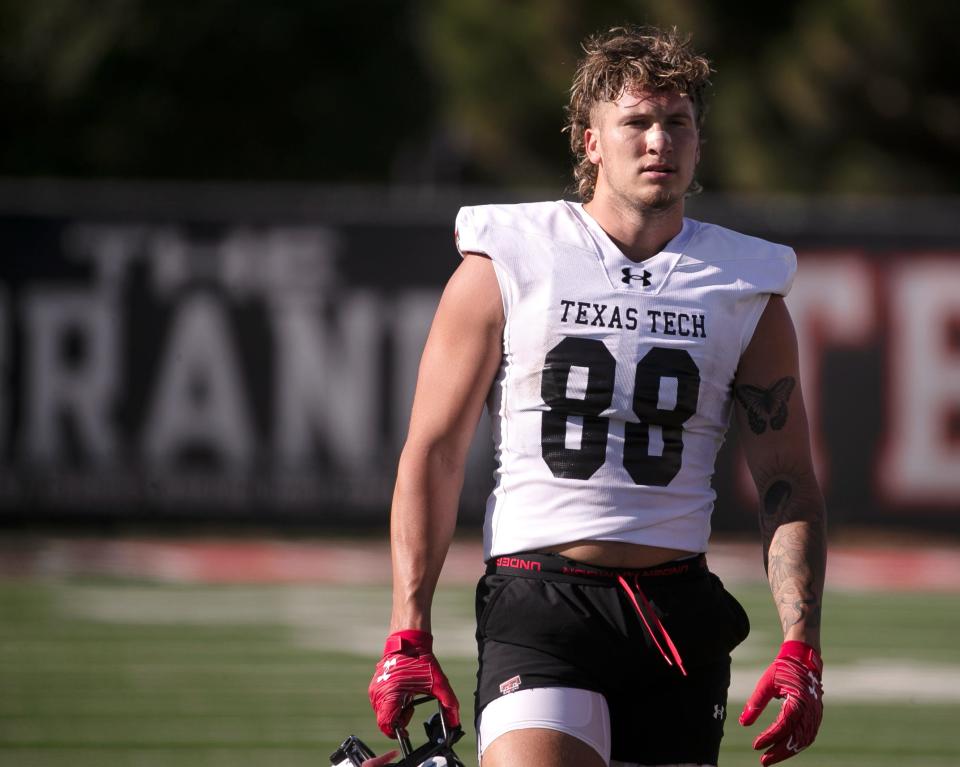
point(583, 462)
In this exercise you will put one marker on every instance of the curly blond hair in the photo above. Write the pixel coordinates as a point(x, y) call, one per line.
point(625, 58)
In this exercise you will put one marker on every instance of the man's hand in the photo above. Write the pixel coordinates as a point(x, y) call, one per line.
point(406, 670)
point(379, 761)
point(795, 675)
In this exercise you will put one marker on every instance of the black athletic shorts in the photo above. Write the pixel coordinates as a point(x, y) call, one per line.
point(547, 621)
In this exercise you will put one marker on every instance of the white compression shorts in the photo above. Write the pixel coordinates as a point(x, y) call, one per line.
point(580, 713)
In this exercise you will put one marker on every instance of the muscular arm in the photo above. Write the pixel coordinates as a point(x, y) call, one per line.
point(459, 363)
point(776, 442)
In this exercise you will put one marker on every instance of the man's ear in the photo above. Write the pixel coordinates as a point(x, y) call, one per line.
point(591, 143)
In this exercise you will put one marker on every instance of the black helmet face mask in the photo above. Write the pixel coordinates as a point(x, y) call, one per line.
point(436, 752)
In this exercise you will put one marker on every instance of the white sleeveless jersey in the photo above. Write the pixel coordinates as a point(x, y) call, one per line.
point(614, 391)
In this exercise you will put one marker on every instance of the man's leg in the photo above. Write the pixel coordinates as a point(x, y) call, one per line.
point(535, 747)
point(634, 764)
point(545, 727)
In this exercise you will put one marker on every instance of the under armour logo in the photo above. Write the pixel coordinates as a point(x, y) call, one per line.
point(388, 665)
point(792, 745)
point(718, 711)
point(628, 276)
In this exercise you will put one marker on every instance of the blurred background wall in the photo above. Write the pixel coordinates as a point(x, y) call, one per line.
point(224, 226)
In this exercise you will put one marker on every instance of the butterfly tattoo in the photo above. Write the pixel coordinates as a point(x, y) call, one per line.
point(763, 405)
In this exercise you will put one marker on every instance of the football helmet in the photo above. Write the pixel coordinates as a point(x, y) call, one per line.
point(436, 752)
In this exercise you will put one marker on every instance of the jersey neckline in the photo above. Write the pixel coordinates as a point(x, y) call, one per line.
point(645, 277)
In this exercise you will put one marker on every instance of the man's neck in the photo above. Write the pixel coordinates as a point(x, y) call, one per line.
point(639, 233)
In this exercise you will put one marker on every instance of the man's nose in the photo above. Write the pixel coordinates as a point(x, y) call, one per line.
point(658, 141)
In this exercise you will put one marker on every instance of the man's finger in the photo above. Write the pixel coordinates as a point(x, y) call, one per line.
point(379, 761)
point(757, 702)
point(750, 714)
point(781, 750)
point(391, 718)
point(448, 703)
point(786, 723)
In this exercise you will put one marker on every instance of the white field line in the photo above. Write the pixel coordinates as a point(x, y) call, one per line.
point(327, 618)
point(873, 681)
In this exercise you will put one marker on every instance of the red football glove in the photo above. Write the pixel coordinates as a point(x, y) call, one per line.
point(406, 670)
point(794, 675)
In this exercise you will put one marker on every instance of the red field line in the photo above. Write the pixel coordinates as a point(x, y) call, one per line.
point(226, 560)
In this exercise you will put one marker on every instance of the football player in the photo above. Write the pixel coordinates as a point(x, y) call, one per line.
point(610, 339)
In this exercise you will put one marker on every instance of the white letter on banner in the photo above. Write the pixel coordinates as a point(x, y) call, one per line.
point(57, 383)
point(200, 395)
point(328, 382)
point(921, 460)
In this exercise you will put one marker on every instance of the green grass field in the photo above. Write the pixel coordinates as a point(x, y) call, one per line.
point(106, 672)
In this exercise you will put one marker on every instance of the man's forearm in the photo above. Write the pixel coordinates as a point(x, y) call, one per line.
point(422, 522)
point(793, 529)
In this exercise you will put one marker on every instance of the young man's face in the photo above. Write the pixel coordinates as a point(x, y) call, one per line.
point(646, 147)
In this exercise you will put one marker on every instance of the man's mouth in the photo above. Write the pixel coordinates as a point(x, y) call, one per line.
point(659, 168)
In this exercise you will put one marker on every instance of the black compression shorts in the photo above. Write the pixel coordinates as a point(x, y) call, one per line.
point(547, 621)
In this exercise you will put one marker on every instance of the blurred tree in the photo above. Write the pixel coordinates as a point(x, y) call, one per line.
point(230, 89)
point(849, 97)
point(843, 96)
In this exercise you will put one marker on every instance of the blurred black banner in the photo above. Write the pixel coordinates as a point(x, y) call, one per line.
point(177, 354)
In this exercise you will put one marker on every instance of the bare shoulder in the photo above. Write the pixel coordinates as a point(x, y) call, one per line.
point(461, 356)
point(472, 295)
point(774, 342)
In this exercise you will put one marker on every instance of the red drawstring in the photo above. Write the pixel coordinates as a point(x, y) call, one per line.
point(663, 631)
